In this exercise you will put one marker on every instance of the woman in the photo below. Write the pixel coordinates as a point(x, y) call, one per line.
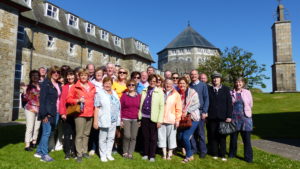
point(160, 82)
point(172, 116)
point(136, 76)
point(68, 119)
point(190, 106)
point(130, 102)
point(242, 118)
point(220, 110)
point(82, 93)
point(32, 96)
point(49, 107)
point(120, 84)
point(107, 118)
point(151, 114)
point(98, 79)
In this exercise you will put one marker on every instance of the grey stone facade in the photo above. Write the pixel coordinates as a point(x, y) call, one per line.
point(283, 68)
point(30, 38)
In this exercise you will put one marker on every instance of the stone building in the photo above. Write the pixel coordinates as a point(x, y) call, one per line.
point(186, 52)
point(36, 33)
point(283, 68)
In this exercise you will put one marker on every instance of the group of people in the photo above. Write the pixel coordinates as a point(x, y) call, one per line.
point(100, 109)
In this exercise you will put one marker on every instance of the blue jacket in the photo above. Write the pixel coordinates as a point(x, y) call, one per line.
point(48, 99)
point(202, 91)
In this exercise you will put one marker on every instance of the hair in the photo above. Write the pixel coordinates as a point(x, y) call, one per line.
point(110, 64)
point(130, 81)
point(240, 79)
point(107, 79)
point(98, 69)
point(184, 79)
point(83, 71)
point(87, 66)
point(161, 79)
point(150, 67)
point(52, 70)
point(70, 72)
point(151, 77)
point(194, 70)
point(125, 71)
point(63, 71)
point(168, 79)
point(133, 74)
point(174, 74)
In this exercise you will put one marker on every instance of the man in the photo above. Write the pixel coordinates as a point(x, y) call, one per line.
point(202, 91)
point(110, 71)
point(150, 70)
point(203, 78)
point(91, 69)
point(143, 82)
point(168, 74)
point(43, 73)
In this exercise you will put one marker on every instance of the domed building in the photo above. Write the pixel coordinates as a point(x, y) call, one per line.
point(186, 52)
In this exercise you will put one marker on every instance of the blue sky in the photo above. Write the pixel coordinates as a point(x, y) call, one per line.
point(225, 23)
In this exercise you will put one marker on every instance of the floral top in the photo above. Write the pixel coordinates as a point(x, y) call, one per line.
point(242, 122)
point(32, 96)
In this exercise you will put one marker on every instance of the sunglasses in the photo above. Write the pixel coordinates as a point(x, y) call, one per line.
point(137, 77)
point(175, 78)
point(123, 73)
point(131, 85)
point(58, 72)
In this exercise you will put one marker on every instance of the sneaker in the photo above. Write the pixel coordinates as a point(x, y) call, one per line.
point(152, 160)
point(79, 159)
point(92, 152)
point(37, 155)
point(215, 157)
point(85, 155)
point(103, 159)
point(67, 157)
point(110, 158)
point(202, 155)
point(27, 149)
point(145, 158)
point(46, 158)
point(224, 159)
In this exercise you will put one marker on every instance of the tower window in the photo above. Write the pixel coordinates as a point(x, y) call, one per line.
point(51, 11)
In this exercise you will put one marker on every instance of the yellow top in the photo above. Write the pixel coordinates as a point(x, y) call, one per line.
point(119, 88)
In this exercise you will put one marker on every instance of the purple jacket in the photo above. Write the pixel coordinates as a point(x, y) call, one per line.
point(247, 99)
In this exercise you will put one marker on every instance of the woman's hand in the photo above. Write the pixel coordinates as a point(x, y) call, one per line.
point(95, 125)
point(139, 124)
point(176, 124)
point(228, 120)
point(158, 125)
point(81, 100)
point(64, 117)
point(45, 120)
point(121, 124)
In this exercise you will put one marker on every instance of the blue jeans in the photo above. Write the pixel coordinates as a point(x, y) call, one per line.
point(199, 136)
point(185, 137)
point(43, 145)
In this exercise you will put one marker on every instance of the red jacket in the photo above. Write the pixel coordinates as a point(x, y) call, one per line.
point(63, 99)
point(76, 92)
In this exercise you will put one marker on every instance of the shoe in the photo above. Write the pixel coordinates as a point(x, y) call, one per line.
point(85, 155)
point(110, 158)
point(224, 159)
point(79, 159)
point(114, 152)
point(103, 159)
point(33, 146)
point(215, 157)
point(27, 149)
point(92, 152)
point(145, 158)
point(67, 157)
point(202, 155)
point(130, 156)
point(152, 160)
point(37, 155)
point(46, 158)
point(125, 155)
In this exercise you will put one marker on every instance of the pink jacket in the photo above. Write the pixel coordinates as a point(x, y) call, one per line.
point(247, 99)
point(173, 108)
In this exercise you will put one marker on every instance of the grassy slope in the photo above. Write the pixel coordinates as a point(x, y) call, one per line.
point(267, 109)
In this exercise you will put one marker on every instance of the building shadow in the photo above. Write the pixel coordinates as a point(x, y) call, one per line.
point(12, 134)
point(278, 127)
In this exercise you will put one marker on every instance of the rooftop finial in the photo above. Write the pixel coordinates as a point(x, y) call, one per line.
point(189, 24)
point(280, 11)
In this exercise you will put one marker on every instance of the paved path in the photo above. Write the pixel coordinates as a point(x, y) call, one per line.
point(289, 148)
point(12, 123)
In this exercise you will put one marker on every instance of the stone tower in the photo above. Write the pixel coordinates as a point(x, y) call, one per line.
point(283, 68)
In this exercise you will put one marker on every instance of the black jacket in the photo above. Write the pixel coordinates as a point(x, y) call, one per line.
point(220, 103)
point(48, 99)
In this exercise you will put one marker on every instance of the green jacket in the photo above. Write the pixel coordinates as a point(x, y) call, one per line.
point(157, 105)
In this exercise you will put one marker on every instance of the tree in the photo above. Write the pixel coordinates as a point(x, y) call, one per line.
point(235, 63)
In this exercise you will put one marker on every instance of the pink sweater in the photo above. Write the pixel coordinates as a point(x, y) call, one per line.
point(247, 99)
point(130, 106)
point(173, 108)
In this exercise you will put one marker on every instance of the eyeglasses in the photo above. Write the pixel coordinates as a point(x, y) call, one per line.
point(137, 77)
point(58, 72)
point(131, 85)
point(174, 78)
point(158, 79)
point(125, 73)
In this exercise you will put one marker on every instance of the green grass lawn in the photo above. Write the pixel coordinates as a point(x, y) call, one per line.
point(275, 116)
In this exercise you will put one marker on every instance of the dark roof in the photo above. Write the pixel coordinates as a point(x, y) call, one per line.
point(38, 14)
point(21, 5)
point(189, 38)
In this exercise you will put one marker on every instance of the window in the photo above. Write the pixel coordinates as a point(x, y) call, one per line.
point(104, 35)
point(50, 42)
point(90, 29)
point(117, 41)
point(90, 54)
point(146, 49)
point(72, 48)
point(21, 33)
point(188, 59)
point(187, 51)
point(28, 2)
point(51, 11)
point(73, 21)
point(138, 45)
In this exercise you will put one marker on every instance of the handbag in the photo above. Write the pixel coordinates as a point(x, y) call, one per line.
point(185, 122)
point(73, 109)
point(226, 128)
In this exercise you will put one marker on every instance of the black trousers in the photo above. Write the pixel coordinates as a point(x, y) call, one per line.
point(216, 141)
point(246, 137)
point(69, 135)
point(149, 130)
